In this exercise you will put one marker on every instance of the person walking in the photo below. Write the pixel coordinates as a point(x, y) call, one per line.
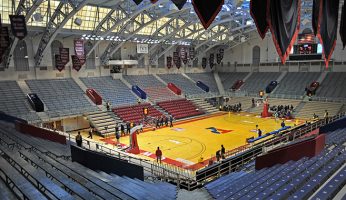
point(79, 139)
point(90, 133)
point(158, 155)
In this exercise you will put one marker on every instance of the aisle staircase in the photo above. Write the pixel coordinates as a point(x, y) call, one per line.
point(104, 122)
point(205, 106)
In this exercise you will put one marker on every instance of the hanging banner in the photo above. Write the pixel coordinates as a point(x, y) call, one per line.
point(343, 27)
point(64, 55)
point(58, 63)
point(175, 58)
point(258, 11)
point(328, 27)
point(211, 61)
point(185, 59)
point(76, 64)
point(315, 14)
point(179, 3)
point(218, 58)
point(169, 62)
point(284, 22)
point(138, 1)
point(153, 1)
point(221, 52)
point(178, 64)
point(18, 26)
point(204, 63)
point(79, 50)
point(192, 53)
point(4, 41)
point(182, 52)
point(207, 10)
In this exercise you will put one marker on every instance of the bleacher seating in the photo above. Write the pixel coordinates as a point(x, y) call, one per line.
point(206, 78)
point(154, 88)
point(62, 97)
point(292, 180)
point(180, 108)
point(294, 83)
point(135, 113)
point(112, 90)
point(187, 86)
point(14, 102)
point(311, 107)
point(228, 79)
point(259, 81)
point(39, 175)
point(333, 85)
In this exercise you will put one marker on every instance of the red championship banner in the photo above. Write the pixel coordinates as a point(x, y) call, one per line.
point(76, 64)
point(4, 41)
point(64, 55)
point(79, 50)
point(58, 63)
point(204, 63)
point(18, 26)
point(169, 62)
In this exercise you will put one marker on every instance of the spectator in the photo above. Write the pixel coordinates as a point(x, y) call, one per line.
point(108, 106)
point(166, 121)
point(253, 102)
point(326, 116)
point(128, 128)
point(314, 116)
point(90, 133)
point(158, 155)
point(223, 151)
point(79, 139)
point(161, 121)
point(218, 155)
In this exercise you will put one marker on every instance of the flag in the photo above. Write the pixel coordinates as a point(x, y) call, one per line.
point(207, 10)
point(179, 3)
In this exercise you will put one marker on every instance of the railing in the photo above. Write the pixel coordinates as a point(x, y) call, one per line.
point(250, 153)
point(203, 95)
point(328, 99)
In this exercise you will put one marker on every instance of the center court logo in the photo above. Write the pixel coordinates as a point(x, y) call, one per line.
point(218, 131)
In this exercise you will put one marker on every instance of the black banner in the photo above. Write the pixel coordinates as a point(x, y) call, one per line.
point(315, 14)
point(64, 55)
point(192, 53)
point(182, 52)
point(18, 26)
point(178, 64)
point(343, 27)
point(328, 27)
point(204, 63)
point(185, 59)
point(175, 57)
point(284, 21)
point(221, 52)
point(153, 1)
point(76, 64)
point(4, 41)
point(207, 10)
point(169, 62)
point(138, 1)
point(58, 63)
point(258, 11)
point(218, 58)
point(211, 61)
point(179, 3)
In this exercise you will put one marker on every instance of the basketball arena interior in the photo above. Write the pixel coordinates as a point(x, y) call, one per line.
point(172, 99)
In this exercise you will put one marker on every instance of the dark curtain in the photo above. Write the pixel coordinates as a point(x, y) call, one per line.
point(343, 27)
point(179, 3)
point(153, 1)
point(207, 10)
point(284, 20)
point(315, 14)
point(328, 27)
point(138, 1)
point(258, 11)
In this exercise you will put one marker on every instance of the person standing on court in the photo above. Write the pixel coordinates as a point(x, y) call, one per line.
point(223, 151)
point(79, 139)
point(128, 128)
point(283, 124)
point(158, 155)
point(122, 128)
point(117, 135)
point(90, 133)
point(170, 121)
point(259, 132)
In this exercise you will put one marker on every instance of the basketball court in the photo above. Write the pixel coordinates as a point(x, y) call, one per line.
point(189, 140)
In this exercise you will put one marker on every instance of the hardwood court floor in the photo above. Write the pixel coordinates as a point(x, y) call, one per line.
point(187, 142)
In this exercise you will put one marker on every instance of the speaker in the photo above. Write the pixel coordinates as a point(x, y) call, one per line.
point(37, 17)
point(78, 21)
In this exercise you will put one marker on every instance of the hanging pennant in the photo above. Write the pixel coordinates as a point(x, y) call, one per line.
point(79, 50)
point(191, 53)
point(218, 58)
point(4, 41)
point(64, 55)
point(207, 10)
point(221, 52)
point(178, 64)
point(138, 2)
point(315, 14)
point(58, 63)
point(284, 21)
point(76, 64)
point(211, 61)
point(18, 26)
point(185, 58)
point(258, 11)
point(175, 58)
point(328, 27)
point(343, 27)
point(153, 1)
point(169, 62)
point(204, 63)
point(179, 3)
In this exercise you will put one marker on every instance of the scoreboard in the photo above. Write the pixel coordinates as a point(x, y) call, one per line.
point(306, 48)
